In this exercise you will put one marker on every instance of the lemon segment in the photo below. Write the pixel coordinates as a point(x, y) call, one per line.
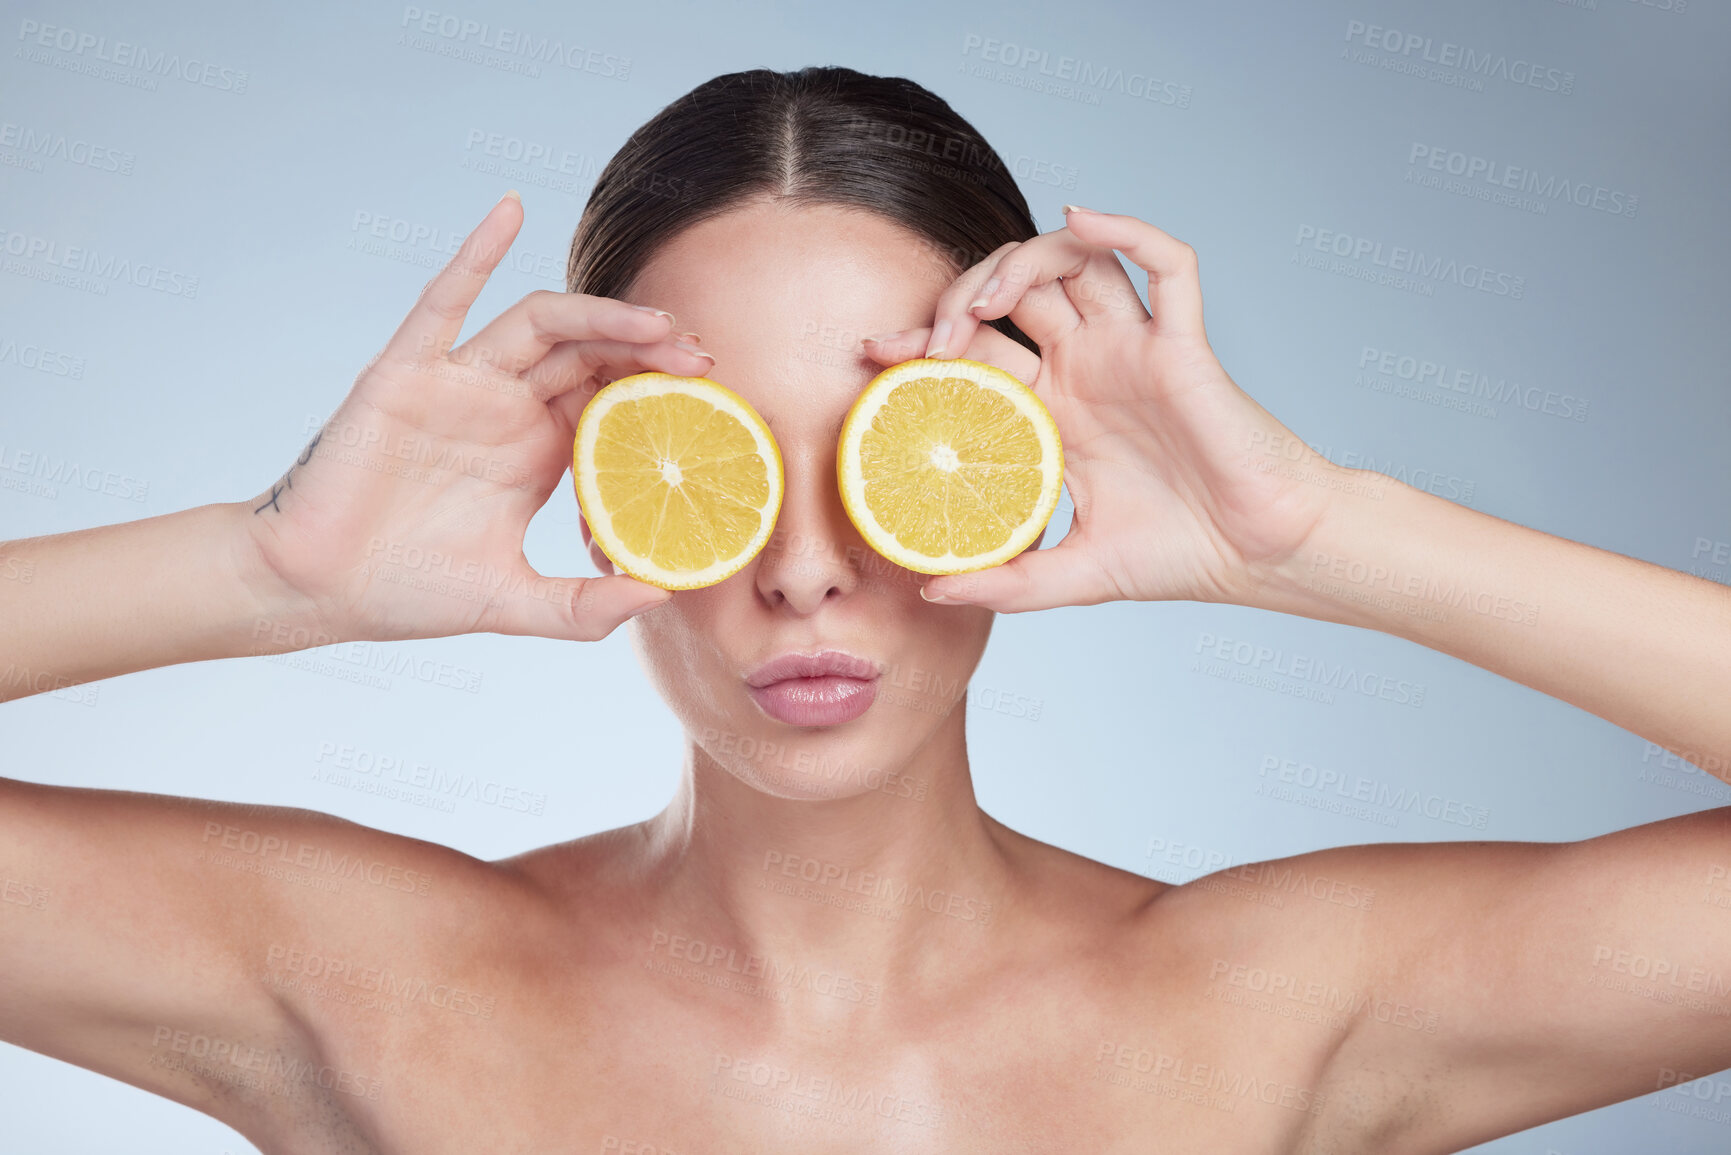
point(949, 466)
point(679, 478)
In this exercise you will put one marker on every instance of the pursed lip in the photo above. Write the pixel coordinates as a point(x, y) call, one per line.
point(823, 664)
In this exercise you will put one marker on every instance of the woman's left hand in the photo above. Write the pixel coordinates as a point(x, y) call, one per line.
point(1184, 487)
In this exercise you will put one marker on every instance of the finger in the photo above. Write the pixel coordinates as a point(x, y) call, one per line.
point(1092, 284)
point(1035, 579)
point(438, 314)
point(573, 609)
point(576, 369)
point(1174, 283)
point(519, 338)
point(988, 346)
point(597, 558)
point(1035, 262)
point(953, 327)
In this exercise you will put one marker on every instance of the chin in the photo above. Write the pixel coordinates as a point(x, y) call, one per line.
point(815, 764)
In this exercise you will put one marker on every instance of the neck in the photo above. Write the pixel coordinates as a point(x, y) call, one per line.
point(889, 877)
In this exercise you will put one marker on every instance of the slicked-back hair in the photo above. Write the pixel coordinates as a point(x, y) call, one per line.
point(818, 136)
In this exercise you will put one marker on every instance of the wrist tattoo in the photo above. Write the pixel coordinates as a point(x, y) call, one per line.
point(287, 481)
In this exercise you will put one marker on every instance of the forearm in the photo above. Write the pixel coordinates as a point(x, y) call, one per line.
point(99, 602)
point(1644, 647)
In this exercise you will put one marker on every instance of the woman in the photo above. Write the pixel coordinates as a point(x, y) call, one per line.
point(823, 943)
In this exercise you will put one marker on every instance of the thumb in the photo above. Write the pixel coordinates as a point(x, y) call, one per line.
point(1036, 579)
point(574, 609)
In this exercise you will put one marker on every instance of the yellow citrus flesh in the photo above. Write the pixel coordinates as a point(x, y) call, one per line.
point(679, 479)
point(948, 466)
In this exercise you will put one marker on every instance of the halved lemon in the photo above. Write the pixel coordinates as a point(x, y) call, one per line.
point(679, 479)
point(948, 466)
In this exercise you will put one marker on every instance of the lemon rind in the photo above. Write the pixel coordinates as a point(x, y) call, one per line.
point(866, 406)
point(636, 387)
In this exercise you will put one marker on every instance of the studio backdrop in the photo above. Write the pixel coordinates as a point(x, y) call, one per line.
point(1478, 247)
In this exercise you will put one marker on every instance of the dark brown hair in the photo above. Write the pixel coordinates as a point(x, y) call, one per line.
point(816, 136)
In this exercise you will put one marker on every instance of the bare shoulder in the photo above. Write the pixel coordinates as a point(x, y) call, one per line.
point(1418, 985)
point(168, 933)
point(1322, 928)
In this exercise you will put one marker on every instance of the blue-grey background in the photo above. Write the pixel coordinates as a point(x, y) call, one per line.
point(1267, 121)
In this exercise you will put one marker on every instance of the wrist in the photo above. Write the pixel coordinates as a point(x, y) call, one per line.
point(1338, 553)
point(274, 617)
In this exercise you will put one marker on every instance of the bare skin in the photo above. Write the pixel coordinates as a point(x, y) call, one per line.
point(833, 948)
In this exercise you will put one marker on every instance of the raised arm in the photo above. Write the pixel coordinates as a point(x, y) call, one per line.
point(404, 517)
point(1642, 646)
point(136, 930)
point(1185, 488)
point(1561, 976)
point(95, 603)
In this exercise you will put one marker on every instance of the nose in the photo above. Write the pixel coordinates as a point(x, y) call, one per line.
point(815, 554)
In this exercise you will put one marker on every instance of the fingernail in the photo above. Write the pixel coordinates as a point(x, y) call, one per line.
point(693, 349)
point(938, 599)
point(652, 309)
point(512, 193)
point(692, 337)
point(986, 292)
point(940, 338)
point(1076, 209)
point(881, 338)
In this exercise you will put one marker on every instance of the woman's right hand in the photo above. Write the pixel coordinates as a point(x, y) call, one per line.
point(405, 516)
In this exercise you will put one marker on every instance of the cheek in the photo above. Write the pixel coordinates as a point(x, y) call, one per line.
point(676, 646)
point(950, 638)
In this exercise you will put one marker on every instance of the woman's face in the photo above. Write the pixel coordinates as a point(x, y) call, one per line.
point(780, 296)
